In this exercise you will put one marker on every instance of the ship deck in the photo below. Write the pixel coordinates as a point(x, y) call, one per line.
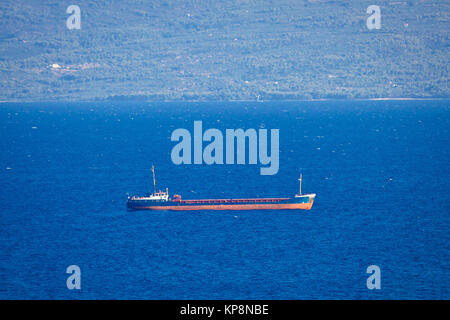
point(209, 201)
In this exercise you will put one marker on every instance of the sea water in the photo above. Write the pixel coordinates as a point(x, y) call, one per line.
point(380, 170)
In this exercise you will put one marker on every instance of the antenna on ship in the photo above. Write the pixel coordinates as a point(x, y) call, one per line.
point(300, 187)
point(154, 181)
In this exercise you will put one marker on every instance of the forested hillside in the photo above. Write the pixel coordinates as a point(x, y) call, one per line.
point(223, 50)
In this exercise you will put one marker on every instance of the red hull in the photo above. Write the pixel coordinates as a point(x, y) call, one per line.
point(270, 206)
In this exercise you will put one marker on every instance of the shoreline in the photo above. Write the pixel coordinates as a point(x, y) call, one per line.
point(207, 101)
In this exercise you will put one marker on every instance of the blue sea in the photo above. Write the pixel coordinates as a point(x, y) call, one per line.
point(380, 170)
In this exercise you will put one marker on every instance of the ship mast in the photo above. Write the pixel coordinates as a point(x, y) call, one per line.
point(154, 181)
point(300, 185)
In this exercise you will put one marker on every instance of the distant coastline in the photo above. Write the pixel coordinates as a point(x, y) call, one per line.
point(224, 51)
point(201, 101)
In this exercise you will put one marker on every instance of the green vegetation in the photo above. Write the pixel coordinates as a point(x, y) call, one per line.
point(223, 50)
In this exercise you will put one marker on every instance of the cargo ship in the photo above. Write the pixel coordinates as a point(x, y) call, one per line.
point(161, 201)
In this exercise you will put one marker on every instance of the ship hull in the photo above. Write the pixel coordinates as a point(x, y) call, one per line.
point(304, 206)
point(300, 203)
